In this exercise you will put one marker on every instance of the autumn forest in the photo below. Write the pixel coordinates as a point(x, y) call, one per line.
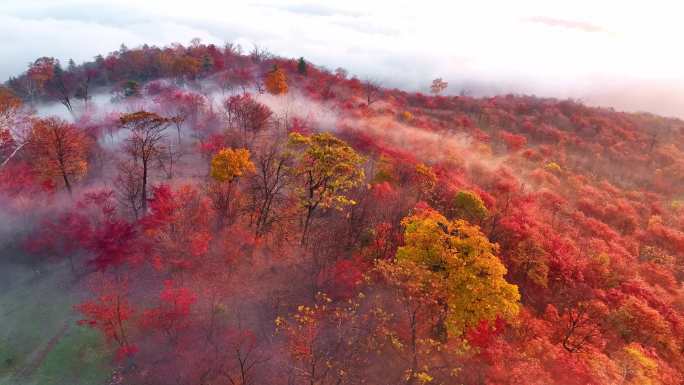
point(204, 215)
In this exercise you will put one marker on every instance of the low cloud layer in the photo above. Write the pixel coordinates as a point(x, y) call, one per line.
point(612, 53)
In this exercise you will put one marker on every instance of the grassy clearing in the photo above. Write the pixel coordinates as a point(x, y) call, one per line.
point(34, 309)
point(79, 357)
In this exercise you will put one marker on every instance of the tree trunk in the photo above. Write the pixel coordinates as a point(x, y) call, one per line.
point(67, 184)
point(144, 188)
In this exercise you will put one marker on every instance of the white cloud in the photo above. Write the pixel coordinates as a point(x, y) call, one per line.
point(597, 51)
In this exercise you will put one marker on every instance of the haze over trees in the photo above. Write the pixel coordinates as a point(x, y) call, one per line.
point(243, 218)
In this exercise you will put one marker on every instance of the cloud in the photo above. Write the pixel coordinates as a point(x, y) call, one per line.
point(314, 10)
point(582, 49)
point(570, 24)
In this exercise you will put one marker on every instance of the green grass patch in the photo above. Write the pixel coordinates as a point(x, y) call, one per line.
point(80, 356)
point(34, 308)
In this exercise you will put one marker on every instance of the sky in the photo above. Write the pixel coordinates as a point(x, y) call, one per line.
point(624, 54)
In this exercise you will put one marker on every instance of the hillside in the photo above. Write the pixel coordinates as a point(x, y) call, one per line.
point(220, 217)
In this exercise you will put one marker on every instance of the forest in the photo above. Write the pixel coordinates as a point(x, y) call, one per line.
point(216, 216)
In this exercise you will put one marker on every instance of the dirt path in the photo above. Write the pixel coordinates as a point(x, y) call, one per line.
point(38, 356)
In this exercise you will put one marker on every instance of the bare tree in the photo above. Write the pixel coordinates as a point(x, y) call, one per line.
point(259, 54)
point(247, 115)
point(372, 90)
point(145, 143)
point(61, 86)
point(438, 86)
point(247, 354)
point(169, 158)
point(83, 89)
point(225, 81)
point(268, 184)
point(583, 323)
point(128, 187)
point(258, 86)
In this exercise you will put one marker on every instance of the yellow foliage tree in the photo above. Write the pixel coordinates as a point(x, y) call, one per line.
point(406, 116)
point(637, 367)
point(553, 167)
point(308, 334)
point(276, 81)
point(229, 164)
point(328, 167)
point(458, 262)
point(426, 179)
point(469, 206)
